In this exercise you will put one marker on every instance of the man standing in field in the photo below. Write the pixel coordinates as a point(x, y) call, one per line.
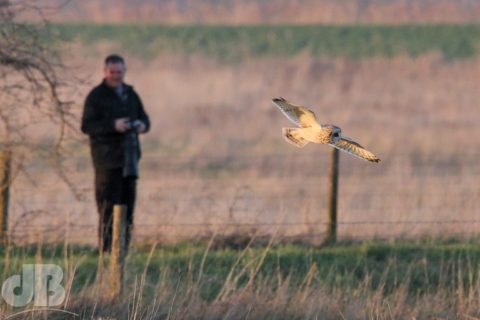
point(113, 116)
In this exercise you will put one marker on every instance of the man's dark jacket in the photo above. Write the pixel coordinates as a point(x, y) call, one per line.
point(102, 107)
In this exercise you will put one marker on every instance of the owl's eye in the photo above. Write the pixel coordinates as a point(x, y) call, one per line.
point(335, 134)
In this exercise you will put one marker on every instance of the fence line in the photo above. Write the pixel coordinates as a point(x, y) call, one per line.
point(75, 233)
point(288, 160)
point(314, 239)
point(253, 224)
point(160, 195)
point(166, 235)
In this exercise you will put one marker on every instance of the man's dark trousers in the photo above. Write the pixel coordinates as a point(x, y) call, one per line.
point(112, 188)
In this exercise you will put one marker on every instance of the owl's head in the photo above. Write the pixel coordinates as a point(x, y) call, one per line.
point(336, 134)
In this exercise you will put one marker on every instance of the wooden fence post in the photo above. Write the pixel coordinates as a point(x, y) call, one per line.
point(117, 259)
point(332, 197)
point(5, 172)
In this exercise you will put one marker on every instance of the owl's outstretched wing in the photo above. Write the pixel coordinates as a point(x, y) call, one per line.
point(301, 116)
point(349, 146)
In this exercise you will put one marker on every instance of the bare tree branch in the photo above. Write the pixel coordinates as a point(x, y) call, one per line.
point(31, 87)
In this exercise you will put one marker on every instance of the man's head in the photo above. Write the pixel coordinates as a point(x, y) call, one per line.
point(114, 70)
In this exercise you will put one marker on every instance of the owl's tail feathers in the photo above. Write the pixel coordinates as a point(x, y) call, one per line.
point(294, 136)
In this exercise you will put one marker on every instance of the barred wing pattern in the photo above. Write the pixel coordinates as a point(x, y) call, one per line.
point(299, 115)
point(349, 146)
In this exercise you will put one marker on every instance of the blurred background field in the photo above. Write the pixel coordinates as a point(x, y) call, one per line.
point(237, 43)
point(215, 160)
point(230, 219)
point(264, 11)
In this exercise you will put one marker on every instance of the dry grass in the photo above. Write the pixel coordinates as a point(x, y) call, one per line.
point(281, 300)
point(215, 154)
point(163, 292)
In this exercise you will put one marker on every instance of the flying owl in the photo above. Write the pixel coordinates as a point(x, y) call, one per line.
point(311, 131)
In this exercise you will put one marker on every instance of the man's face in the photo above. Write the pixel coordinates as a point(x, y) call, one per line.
point(114, 74)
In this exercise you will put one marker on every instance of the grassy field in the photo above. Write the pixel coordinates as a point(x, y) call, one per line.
point(234, 43)
point(215, 156)
point(215, 159)
point(215, 163)
point(356, 280)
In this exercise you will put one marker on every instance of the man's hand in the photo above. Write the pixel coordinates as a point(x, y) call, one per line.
point(122, 125)
point(141, 127)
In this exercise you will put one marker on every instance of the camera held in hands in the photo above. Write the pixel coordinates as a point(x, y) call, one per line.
point(131, 156)
point(134, 125)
